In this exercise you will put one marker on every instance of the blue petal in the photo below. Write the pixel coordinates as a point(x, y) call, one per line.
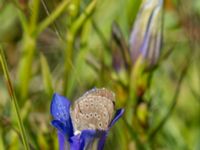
point(84, 140)
point(63, 145)
point(75, 143)
point(60, 110)
point(88, 134)
point(88, 137)
point(60, 126)
point(118, 114)
point(102, 140)
point(60, 107)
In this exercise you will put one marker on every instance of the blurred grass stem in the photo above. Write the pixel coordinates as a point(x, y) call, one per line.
point(174, 100)
point(31, 32)
point(44, 3)
point(25, 65)
point(51, 18)
point(13, 99)
point(71, 34)
point(34, 16)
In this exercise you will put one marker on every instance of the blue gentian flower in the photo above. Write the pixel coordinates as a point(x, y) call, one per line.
point(146, 36)
point(68, 137)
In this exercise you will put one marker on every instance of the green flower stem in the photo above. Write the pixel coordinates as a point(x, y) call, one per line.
point(13, 99)
point(29, 46)
point(23, 21)
point(31, 32)
point(54, 25)
point(51, 18)
point(83, 17)
point(71, 34)
point(34, 15)
point(25, 65)
point(68, 61)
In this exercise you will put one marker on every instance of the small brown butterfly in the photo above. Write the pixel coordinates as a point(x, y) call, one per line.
point(94, 110)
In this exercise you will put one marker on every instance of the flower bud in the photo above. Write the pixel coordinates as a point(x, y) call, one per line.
point(146, 36)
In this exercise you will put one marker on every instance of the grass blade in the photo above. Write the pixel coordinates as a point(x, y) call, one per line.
point(13, 99)
point(51, 18)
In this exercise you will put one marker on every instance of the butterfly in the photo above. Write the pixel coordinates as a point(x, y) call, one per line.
point(93, 110)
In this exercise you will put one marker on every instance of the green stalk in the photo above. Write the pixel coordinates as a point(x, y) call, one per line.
point(46, 75)
point(13, 99)
point(71, 34)
point(174, 102)
point(51, 18)
point(68, 53)
point(83, 17)
point(29, 46)
point(23, 21)
point(34, 16)
point(29, 43)
point(55, 27)
point(25, 64)
point(31, 35)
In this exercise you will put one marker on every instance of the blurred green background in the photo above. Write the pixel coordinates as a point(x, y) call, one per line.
point(70, 52)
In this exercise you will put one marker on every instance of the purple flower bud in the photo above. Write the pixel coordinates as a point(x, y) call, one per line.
point(146, 36)
point(120, 52)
